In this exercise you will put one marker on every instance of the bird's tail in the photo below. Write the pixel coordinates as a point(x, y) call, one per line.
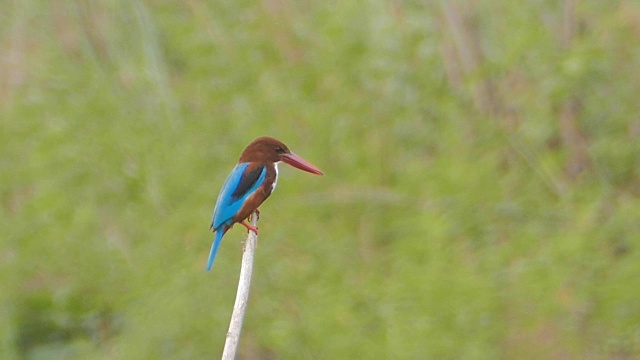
point(214, 247)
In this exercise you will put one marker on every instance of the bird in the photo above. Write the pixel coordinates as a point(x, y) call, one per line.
point(249, 184)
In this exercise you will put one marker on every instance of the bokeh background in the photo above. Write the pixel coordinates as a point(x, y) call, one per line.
point(481, 196)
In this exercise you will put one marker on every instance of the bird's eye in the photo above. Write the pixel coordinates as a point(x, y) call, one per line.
point(279, 150)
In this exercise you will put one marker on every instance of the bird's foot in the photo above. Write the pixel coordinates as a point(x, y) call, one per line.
point(256, 212)
point(250, 227)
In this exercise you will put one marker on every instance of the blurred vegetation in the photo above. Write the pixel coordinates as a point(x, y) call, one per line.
point(481, 197)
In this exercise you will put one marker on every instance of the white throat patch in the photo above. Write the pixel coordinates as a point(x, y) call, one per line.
point(275, 181)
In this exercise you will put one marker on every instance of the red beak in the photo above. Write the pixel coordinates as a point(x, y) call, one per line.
point(300, 163)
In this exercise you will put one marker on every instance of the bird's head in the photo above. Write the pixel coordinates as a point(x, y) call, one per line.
point(268, 149)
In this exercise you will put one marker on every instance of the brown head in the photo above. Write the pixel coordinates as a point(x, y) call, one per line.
point(269, 150)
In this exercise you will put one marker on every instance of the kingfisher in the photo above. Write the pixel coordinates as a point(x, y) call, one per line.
point(249, 184)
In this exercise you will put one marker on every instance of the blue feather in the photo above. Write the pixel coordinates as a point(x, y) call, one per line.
point(214, 248)
point(239, 185)
point(230, 200)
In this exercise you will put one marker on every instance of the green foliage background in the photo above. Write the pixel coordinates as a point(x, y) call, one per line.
point(442, 229)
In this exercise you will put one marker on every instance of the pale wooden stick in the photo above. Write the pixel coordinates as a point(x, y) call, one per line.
point(242, 296)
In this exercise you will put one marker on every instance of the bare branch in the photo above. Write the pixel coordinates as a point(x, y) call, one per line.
point(242, 296)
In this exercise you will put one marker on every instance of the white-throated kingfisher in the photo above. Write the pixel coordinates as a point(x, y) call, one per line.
point(249, 184)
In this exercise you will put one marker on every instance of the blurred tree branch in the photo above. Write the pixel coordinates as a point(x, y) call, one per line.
point(573, 138)
point(13, 71)
point(463, 56)
point(463, 59)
